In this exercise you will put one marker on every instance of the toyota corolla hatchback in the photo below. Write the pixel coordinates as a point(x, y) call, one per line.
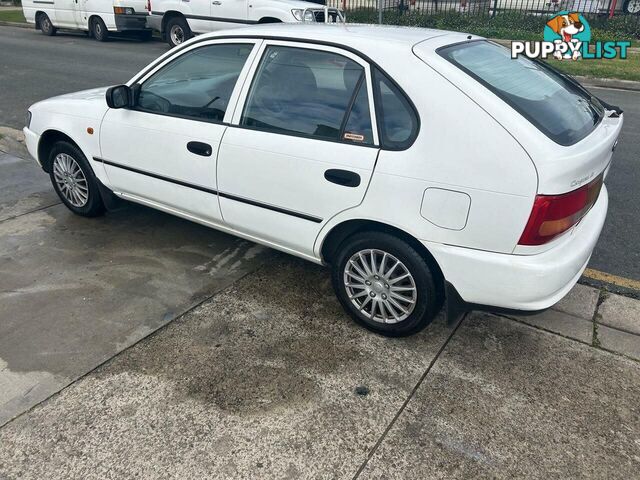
point(423, 166)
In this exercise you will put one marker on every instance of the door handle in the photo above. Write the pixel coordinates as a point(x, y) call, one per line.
point(199, 148)
point(342, 177)
point(216, 3)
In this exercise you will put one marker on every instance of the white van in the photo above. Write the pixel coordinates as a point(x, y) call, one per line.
point(179, 20)
point(97, 17)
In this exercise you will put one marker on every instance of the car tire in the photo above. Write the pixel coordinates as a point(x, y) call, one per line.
point(631, 7)
point(46, 26)
point(379, 282)
point(99, 30)
point(177, 31)
point(74, 181)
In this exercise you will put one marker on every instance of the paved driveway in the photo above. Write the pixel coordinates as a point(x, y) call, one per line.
point(75, 291)
point(271, 380)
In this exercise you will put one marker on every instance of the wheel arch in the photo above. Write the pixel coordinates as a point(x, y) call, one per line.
point(339, 233)
point(90, 22)
point(47, 140)
point(168, 15)
point(37, 16)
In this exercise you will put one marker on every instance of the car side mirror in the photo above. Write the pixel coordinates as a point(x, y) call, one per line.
point(119, 96)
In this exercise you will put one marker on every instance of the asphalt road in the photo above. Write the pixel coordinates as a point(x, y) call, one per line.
point(34, 67)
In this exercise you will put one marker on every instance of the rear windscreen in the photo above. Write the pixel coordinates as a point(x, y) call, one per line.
point(559, 108)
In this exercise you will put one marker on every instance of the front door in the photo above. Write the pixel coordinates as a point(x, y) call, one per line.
point(164, 150)
point(229, 13)
point(198, 14)
point(302, 145)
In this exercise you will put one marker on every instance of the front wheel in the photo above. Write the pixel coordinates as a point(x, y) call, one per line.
point(73, 180)
point(385, 284)
point(99, 30)
point(178, 31)
point(631, 7)
point(46, 26)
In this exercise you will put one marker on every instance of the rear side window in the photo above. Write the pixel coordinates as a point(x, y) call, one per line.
point(558, 108)
point(311, 93)
point(196, 85)
point(396, 116)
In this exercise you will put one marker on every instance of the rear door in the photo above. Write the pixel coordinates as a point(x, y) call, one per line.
point(164, 150)
point(302, 145)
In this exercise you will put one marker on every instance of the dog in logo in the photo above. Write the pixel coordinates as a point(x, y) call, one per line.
point(566, 26)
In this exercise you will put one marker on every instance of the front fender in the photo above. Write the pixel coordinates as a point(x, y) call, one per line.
point(281, 13)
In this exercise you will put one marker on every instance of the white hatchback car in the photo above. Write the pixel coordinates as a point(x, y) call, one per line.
point(422, 165)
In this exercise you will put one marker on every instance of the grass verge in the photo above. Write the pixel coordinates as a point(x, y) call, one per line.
point(628, 69)
point(12, 16)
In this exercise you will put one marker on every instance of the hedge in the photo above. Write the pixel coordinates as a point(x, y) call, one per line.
point(512, 25)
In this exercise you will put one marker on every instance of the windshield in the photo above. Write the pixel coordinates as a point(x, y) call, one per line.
point(562, 110)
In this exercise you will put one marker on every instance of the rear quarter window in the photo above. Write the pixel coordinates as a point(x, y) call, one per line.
point(561, 110)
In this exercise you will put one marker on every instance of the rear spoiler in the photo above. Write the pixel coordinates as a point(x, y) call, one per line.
point(617, 111)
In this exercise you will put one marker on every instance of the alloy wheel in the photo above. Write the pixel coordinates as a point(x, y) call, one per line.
point(70, 180)
point(380, 286)
point(177, 34)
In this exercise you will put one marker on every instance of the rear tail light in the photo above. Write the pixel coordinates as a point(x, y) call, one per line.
point(149, 5)
point(555, 214)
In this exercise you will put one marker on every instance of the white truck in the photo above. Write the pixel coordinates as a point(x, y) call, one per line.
point(179, 20)
point(96, 17)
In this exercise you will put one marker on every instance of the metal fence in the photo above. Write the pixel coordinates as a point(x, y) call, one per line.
point(594, 10)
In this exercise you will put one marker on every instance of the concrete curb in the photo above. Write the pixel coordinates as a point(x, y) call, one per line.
point(598, 318)
point(15, 24)
point(609, 83)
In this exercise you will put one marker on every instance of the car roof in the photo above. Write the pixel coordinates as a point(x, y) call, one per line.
point(357, 36)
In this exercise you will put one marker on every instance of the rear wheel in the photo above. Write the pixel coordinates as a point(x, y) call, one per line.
point(46, 26)
point(99, 30)
point(177, 31)
point(385, 284)
point(74, 181)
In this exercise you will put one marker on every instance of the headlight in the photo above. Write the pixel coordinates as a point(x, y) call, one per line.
point(28, 119)
point(303, 15)
point(123, 10)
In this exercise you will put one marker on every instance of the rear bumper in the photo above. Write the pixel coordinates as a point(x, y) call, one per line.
point(137, 21)
point(522, 282)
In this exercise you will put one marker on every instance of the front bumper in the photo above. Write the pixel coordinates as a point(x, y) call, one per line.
point(522, 282)
point(136, 21)
point(154, 21)
point(31, 139)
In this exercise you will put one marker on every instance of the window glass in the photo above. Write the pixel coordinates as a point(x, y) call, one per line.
point(559, 109)
point(308, 92)
point(398, 120)
point(358, 127)
point(198, 84)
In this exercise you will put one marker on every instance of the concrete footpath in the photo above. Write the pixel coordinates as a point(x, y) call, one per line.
point(270, 379)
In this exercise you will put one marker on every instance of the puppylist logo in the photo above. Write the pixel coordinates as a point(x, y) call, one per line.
point(567, 35)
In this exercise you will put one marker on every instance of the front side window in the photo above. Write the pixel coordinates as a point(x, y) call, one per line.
point(561, 110)
point(196, 85)
point(311, 93)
